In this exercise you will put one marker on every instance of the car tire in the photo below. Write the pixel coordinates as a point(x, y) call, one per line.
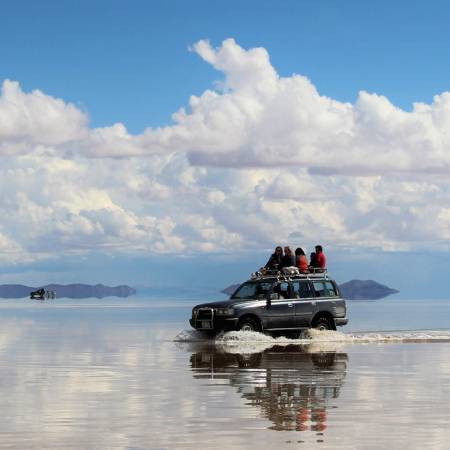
point(248, 324)
point(323, 323)
point(249, 361)
point(210, 334)
point(293, 335)
point(323, 360)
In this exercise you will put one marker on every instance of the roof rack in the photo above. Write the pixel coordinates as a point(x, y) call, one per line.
point(288, 272)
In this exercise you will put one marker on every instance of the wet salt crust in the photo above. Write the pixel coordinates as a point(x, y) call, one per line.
point(107, 374)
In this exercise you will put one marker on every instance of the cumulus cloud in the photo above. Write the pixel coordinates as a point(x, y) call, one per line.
point(30, 120)
point(275, 121)
point(258, 159)
point(255, 118)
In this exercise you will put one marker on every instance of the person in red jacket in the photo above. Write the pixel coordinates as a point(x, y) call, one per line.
point(300, 260)
point(321, 258)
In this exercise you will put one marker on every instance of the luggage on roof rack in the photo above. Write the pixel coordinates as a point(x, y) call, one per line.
point(291, 271)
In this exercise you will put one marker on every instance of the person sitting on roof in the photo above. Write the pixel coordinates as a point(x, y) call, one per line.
point(274, 262)
point(313, 263)
point(288, 259)
point(300, 260)
point(321, 258)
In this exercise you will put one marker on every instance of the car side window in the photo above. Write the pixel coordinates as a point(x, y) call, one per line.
point(282, 289)
point(305, 289)
point(330, 288)
point(302, 289)
point(262, 290)
point(254, 290)
point(324, 289)
point(319, 289)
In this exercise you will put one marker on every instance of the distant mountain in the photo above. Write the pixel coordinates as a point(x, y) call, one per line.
point(352, 290)
point(365, 290)
point(68, 290)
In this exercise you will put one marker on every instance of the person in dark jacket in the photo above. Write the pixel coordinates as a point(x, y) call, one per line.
point(275, 259)
point(313, 263)
point(288, 259)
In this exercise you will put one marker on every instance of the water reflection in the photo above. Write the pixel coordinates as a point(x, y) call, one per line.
point(292, 385)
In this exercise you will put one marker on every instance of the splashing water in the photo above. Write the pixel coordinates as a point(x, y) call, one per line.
point(238, 338)
point(191, 336)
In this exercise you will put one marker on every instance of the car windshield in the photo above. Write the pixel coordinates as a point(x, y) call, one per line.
point(253, 290)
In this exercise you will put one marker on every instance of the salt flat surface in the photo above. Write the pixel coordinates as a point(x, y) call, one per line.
point(104, 376)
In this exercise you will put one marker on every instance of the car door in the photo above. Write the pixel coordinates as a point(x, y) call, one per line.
point(281, 313)
point(304, 306)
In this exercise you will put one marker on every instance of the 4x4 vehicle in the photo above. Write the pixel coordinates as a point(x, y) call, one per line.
point(281, 302)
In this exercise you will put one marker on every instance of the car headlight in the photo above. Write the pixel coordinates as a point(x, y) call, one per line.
point(224, 311)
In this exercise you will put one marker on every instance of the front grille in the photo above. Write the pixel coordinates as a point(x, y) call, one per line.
point(205, 314)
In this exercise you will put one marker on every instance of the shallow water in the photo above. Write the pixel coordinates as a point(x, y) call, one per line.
point(129, 374)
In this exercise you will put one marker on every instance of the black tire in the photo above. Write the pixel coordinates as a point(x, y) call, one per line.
point(249, 361)
point(210, 334)
point(293, 335)
point(323, 360)
point(323, 323)
point(248, 324)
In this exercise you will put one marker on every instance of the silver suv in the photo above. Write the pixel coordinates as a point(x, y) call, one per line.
point(279, 302)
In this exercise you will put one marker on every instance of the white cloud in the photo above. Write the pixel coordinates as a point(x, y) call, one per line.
point(255, 119)
point(260, 160)
point(30, 120)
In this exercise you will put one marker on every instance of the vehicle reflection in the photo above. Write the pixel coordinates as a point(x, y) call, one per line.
point(293, 385)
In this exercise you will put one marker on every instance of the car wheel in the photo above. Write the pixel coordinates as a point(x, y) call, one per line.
point(323, 360)
point(323, 323)
point(248, 324)
point(210, 334)
point(293, 335)
point(249, 361)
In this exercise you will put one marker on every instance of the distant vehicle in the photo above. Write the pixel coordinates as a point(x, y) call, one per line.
point(39, 294)
point(285, 302)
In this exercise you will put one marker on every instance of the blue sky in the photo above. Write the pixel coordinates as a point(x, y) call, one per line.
point(128, 61)
point(218, 187)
